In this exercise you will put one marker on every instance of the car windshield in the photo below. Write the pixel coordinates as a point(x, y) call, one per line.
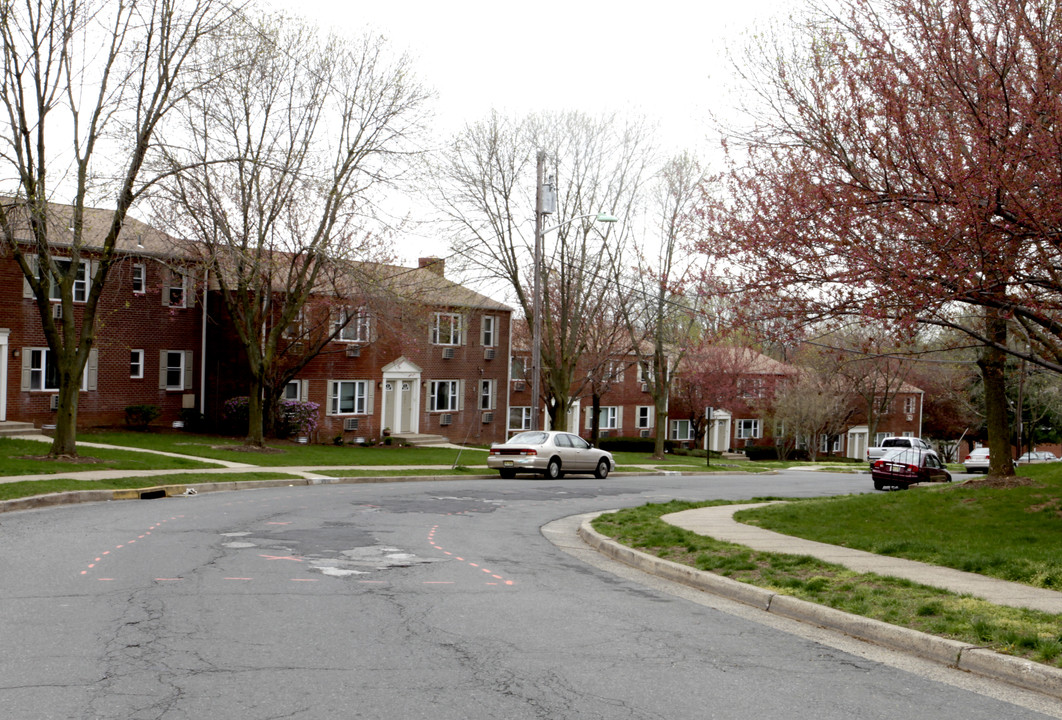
point(528, 438)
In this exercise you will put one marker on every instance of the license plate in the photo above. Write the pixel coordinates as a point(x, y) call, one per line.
point(507, 463)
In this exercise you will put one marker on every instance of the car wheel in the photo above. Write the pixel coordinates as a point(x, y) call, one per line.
point(507, 474)
point(602, 469)
point(878, 485)
point(553, 470)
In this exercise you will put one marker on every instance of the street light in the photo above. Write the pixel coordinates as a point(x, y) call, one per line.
point(545, 204)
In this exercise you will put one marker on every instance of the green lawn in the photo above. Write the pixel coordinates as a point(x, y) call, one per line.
point(1026, 633)
point(1013, 533)
point(21, 457)
point(282, 453)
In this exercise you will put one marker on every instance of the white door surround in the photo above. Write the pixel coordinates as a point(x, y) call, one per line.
point(401, 397)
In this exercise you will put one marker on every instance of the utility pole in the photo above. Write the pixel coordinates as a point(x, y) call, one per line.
point(536, 333)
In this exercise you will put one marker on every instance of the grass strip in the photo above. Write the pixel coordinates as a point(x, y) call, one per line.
point(1011, 530)
point(1030, 634)
point(30, 488)
point(281, 453)
point(22, 457)
point(414, 472)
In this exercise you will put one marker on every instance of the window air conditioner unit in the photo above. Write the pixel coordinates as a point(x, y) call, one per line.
point(53, 402)
point(602, 434)
point(350, 423)
point(910, 418)
point(488, 417)
point(448, 353)
point(446, 419)
point(645, 387)
point(353, 350)
point(644, 433)
point(488, 353)
point(57, 311)
point(518, 386)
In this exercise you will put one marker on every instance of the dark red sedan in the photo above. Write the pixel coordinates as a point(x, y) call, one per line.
point(903, 467)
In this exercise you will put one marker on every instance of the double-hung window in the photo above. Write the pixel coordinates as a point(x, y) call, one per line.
point(350, 397)
point(519, 368)
point(446, 329)
point(519, 418)
point(608, 419)
point(909, 406)
point(43, 372)
point(80, 290)
point(136, 364)
point(175, 292)
point(486, 394)
point(489, 331)
point(444, 396)
point(174, 369)
point(681, 430)
point(644, 417)
point(40, 371)
point(139, 279)
point(353, 325)
point(749, 429)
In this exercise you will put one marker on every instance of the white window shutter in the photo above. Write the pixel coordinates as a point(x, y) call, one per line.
point(27, 291)
point(189, 377)
point(26, 353)
point(304, 390)
point(460, 394)
point(92, 369)
point(619, 418)
point(162, 369)
point(331, 390)
point(370, 396)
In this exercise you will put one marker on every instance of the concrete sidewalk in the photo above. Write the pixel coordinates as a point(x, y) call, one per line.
point(718, 522)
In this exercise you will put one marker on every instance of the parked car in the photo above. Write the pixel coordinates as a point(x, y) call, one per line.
point(551, 453)
point(890, 443)
point(1037, 456)
point(977, 460)
point(903, 467)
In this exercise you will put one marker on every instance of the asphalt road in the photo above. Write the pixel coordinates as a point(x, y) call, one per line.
point(442, 600)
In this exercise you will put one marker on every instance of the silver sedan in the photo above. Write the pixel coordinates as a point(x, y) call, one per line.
point(551, 453)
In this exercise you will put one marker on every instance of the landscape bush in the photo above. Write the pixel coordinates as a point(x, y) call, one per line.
point(138, 417)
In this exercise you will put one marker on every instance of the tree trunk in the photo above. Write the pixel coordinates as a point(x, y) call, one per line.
point(255, 415)
point(661, 433)
point(993, 374)
point(65, 440)
point(595, 420)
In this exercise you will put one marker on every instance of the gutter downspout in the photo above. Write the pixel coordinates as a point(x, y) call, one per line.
point(203, 344)
point(921, 404)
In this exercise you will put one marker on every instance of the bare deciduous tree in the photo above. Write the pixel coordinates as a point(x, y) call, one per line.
point(84, 86)
point(273, 172)
point(486, 186)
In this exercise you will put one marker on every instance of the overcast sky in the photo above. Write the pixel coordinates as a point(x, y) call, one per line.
point(665, 59)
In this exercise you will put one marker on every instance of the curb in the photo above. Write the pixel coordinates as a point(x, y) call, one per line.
point(962, 656)
point(75, 497)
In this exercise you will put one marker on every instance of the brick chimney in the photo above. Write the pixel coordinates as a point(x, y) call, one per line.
point(436, 265)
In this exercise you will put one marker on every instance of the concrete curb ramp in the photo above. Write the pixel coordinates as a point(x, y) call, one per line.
point(963, 656)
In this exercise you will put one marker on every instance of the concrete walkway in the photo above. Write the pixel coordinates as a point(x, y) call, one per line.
point(718, 522)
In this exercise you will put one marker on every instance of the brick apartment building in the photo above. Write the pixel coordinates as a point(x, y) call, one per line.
point(437, 366)
point(743, 420)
